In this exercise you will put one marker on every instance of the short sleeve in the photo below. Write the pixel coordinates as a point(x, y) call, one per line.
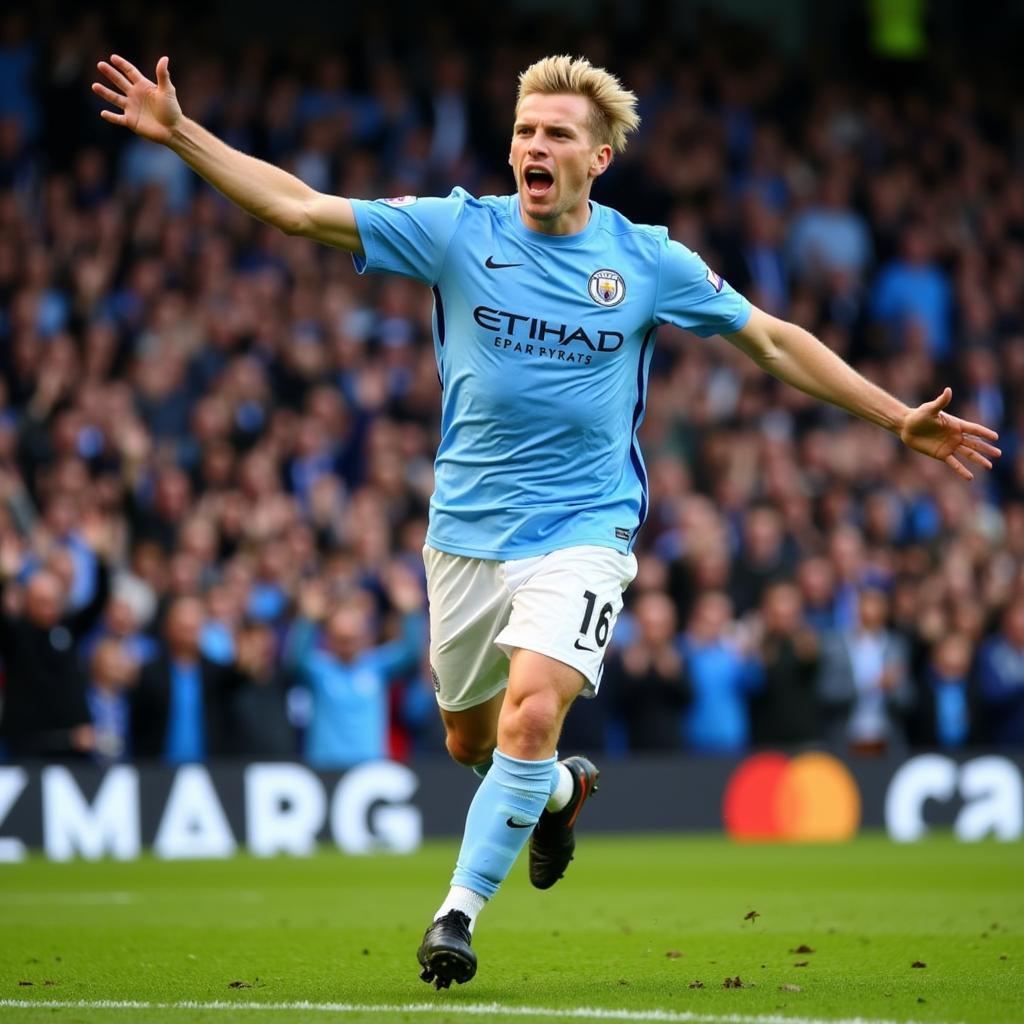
point(407, 236)
point(692, 296)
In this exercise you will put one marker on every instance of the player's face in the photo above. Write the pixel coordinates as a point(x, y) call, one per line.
point(555, 160)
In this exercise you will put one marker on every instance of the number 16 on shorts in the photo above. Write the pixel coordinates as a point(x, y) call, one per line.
point(602, 627)
point(566, 604)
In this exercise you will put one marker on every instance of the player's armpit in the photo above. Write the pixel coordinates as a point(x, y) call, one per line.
point(331, 220)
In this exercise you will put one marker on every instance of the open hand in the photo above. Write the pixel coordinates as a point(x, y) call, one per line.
point(149, 109)
point(948, 438)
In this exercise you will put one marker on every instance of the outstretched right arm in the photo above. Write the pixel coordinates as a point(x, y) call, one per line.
point(151, 110)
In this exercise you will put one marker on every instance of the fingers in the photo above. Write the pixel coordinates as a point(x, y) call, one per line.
point(126, 67)
point(109, 115)
point(980, 431)
point(976, 457)
point(958, 467)
point(109, 95)
point(114, 75)
point(981, 446)
point(975, 450)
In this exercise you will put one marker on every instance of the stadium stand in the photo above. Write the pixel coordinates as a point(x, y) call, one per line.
point(239, 415)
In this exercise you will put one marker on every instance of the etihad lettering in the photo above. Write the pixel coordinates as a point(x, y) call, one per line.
point(558, 331)
point(518, 328)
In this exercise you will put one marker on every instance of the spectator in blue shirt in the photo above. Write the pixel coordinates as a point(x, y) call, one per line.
point(915, 289)
point(945, 713)
point(762, 271)
point(722, 676)
point(18, 68)
point(144, 166)
point(181, 707)
point(112, 671)
point(816, 580)
point(830, 236)
point(1001, 666)
point(123, 618)
point(349, 678)
point(864, 679)
point(72, 554)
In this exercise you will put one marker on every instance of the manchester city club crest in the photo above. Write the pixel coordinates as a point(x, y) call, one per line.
point(606, 287)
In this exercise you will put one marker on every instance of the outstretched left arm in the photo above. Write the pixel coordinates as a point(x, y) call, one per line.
point(796, 357)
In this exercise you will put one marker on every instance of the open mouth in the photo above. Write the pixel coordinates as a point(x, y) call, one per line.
point(538, 182)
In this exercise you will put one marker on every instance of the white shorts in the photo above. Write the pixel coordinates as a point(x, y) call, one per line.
point(563, 605)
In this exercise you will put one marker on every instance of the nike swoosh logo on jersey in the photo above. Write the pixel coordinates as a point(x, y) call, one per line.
point(512, 823)
point(491, 265)
point(583, 647)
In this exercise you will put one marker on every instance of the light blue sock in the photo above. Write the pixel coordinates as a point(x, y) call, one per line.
point(501, 817)
point(481, 770)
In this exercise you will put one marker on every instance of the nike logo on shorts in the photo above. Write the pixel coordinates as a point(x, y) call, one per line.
point(512, 823)
point(583, 647)
point(491, 265)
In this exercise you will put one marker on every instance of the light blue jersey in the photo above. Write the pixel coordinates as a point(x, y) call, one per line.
point(543, 346)
point(349, 721)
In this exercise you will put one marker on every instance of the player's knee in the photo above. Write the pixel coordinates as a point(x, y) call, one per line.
point(531, 724)
point(469, 750)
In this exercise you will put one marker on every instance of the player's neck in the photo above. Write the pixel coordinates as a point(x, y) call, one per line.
point(571, 222)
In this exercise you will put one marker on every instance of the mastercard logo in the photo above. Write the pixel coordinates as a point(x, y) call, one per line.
point(810, 798)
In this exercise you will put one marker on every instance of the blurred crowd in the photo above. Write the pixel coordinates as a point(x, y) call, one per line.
point(216, 441)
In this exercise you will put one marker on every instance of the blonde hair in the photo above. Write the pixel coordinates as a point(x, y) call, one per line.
point(613, 107)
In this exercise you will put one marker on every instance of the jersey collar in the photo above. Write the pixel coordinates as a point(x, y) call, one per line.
point(558, 241)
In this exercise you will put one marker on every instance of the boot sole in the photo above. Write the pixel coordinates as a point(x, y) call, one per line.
point(446, 966)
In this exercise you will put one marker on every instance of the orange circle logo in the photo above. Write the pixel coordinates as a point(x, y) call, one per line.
point(810, 798)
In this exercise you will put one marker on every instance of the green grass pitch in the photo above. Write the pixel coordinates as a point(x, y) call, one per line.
point(635, 925)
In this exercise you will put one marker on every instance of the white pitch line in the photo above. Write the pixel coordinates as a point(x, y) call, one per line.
point(467, 1009)
point(31, 899)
